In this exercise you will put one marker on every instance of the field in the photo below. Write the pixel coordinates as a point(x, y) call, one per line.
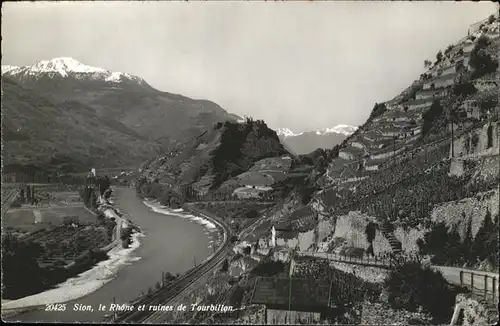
point(29, 220)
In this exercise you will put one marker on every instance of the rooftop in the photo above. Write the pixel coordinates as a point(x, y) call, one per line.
point(417, 102)
point(352, 150)
point(442, 78)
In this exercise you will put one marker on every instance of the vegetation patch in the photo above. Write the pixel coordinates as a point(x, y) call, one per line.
point(411, 286)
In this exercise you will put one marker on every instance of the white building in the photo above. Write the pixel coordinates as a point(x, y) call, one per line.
point(430, 93)
point(441, 81)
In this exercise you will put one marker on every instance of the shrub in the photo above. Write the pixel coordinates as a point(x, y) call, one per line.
point(225, 266)
point(378, 110)
point(464, 89)
point(430, 116)
point(448, 49)
point(444, 247)
point(306, 194)
point(252, 214)
point(480, 60)
point(247, 250)
point(439, 57)
point(491, 19)
point(268, 268)
point(352, 252)
point(411, 285)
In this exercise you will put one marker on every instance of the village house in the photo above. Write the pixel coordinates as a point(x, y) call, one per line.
point(358, 142)
point(419, 104)
point(391, 105)
point(351, 153)
point(251, 192)
point(296, 231)
point(468, 46)
point(463, 60)
point(374, 164)
point(446, 70)
point(441, 82)
point(471, 109)
point(431, 93)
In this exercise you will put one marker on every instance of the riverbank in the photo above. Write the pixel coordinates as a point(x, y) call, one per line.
point(87, 281)
point(212, 226)
point(168, 244)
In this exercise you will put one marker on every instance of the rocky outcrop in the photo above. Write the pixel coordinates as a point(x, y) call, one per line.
point(475, 208)
point(382, 314)
point(473, 311)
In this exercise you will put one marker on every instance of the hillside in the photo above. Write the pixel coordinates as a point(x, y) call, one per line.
point(426, 158)
point(125, 102)
point(67, 135)
point(216, 155)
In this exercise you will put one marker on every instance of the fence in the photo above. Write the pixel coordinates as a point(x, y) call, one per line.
point(483, 284)
point(387, 262)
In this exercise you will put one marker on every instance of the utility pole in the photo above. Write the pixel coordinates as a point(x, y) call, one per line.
point(452, 138)
point(394, 150)
point(290, 286)
point(114, 310)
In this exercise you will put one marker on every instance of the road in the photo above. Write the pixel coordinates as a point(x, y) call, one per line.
point(451, 274)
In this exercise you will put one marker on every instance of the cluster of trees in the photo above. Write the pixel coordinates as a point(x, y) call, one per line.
point(268, 268)
point(126, 236)
point(411, 285)
point(89, 197)
point(480, 60)
point(21, 275)
point(228, 159)
point(370, 233)
point(430, 116)
point(28, 195)
point(109, 224)
point(378, 110)
point(464, 89)
point(447, 248)
point(439, 57)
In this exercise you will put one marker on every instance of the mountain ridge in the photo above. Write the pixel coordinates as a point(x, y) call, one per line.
point(308, 141)
point(129, 102)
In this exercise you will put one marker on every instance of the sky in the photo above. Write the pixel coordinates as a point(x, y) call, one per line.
point(298, 65)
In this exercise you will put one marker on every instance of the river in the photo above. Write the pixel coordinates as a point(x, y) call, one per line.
point(170, 244)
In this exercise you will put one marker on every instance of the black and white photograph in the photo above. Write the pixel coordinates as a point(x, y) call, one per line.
point(250, 162)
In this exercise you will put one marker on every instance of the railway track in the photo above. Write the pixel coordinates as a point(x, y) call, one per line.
point(183, 284)
point(170, 292)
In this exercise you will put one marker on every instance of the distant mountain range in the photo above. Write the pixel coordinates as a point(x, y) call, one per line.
point(306, 142)
point(118, 110)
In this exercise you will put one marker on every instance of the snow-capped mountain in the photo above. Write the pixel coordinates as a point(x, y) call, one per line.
point(306, 142)
point(54, 99)
point(68, 67)
point(285, 132)
point(339, 129)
